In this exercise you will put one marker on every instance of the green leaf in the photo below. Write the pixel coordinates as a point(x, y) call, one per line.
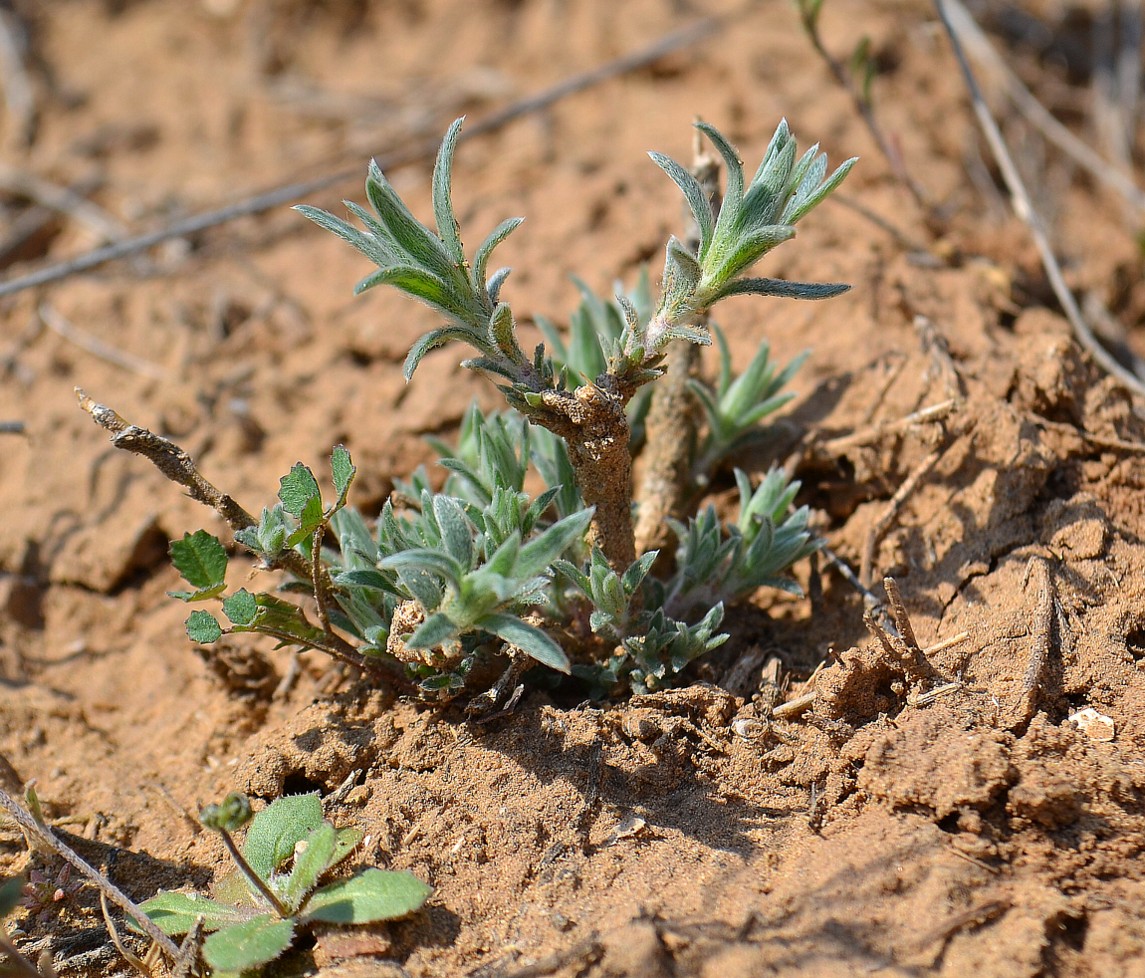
point(275, 830)
point(439, 337)
point(447, 227)
point(312, 858)
point(202, 627)
point(370, 246)
point(368, 897)
point(176, 913)
point(424, 248)
point(528, 639)
point(481, 259)
point(434, 631)
point(297, 489)
point(426, 286)
point(733, 166)
point(344, 471)
point(201, 559)
point(456, 530)
point(698, 201)
point(782, 288)
point(240, 607)
point(249, 944)
point(536, 555)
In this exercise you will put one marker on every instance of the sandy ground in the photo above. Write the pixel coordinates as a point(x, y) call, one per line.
point(679, 834)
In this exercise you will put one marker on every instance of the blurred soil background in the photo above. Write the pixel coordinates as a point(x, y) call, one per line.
point(794, 811)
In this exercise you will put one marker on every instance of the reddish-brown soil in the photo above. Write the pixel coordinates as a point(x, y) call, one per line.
point(979, 833)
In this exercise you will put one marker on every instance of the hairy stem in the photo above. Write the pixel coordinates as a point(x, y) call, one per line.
point(257, 883)
point(667, 483)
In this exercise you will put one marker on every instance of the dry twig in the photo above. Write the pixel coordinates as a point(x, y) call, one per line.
point(881, 525)
point(415, 152)
point(61, 326)
point(34, 829)
point(1047, 616)
point(1024, 208)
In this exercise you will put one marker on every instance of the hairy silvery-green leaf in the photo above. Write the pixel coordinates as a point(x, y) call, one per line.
point(439, 337)
point(275, 831)
point(538, 554)
point(202, 560)
point(528, 639)
point(698, 202)
point(202, 627)
point(423, 248)
point(447, 227)
point(481, 259)
point(343, 470)
point(254, 942)
point(435, 631)
point(456, 530)
point(368, 245)
point(176, 913)
point(312, 857)
point(782, 288)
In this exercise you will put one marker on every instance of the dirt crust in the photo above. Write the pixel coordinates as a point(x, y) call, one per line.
point(809, 805)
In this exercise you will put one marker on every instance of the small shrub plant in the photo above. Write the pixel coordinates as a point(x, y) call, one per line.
point(449, 576)
point(274, 893)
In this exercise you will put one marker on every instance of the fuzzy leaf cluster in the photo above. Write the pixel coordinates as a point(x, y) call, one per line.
point(735, 407)
point(258, 911)
point(717, 563)
point(430, 265)
point(754, 218)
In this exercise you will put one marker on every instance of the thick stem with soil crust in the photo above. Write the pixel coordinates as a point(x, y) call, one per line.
point(594, 426)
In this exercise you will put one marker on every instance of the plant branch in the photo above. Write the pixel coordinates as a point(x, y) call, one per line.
point(178, 466)
point(667, 483)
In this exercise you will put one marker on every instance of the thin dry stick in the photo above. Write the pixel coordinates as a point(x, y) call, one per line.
point(880, 527)
point(47, 837)
point(414, 153)
point(61, 326)
point(901, 644)
point(871, 434)
point(63, 200)
point(863, 107)
point(975, 38)
point(1024, 208)
point(1046, 615)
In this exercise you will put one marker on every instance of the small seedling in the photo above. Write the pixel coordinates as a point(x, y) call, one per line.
point(480, 567)
point(274, 894)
